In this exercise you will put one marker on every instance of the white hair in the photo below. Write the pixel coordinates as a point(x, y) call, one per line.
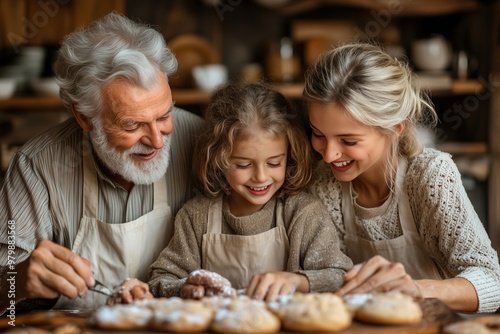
point(109, 48)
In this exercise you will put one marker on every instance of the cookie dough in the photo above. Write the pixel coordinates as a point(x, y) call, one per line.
point(391, 308)
point(314, 312)
point(181, 316)
point(123, 317)
point(213, 284)
point(244, 315)
point(355, 301)
point(466, 327)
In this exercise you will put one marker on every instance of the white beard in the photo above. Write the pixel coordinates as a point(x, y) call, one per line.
point(122, 164)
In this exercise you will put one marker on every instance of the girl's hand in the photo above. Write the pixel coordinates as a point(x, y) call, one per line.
point(130, 290)
point(269, 286)
point(192, 291)
point(202, 283)
point(378, 275)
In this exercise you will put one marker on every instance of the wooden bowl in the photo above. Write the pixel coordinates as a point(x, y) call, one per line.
point(190, 51)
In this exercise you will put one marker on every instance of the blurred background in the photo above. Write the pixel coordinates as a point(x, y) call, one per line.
point(453, 46)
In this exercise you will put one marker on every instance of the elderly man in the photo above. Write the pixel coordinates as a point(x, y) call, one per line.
point(94, 198)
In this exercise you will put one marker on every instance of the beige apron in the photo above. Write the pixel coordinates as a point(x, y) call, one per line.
point(239, 257)
point(407, 249)
point(118, 251)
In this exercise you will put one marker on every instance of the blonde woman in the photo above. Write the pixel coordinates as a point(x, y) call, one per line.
point(400, 209)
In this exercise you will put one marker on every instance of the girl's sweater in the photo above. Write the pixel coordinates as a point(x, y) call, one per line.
point(314, 249)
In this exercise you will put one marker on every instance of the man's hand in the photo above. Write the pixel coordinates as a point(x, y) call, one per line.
point(269, 286)
point(378, 275)
point(52, 270)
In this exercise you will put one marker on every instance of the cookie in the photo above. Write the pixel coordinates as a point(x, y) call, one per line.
point(494, 324)
point(156, 303)
point(466, 327)
point(67, 329)
point(123, 317)
point(277, 305)
point(356, 300)
point(214, 284)
point(217, 302)
point(181, 316)
point(314, 312)
point(392, 308)
point(243, 315)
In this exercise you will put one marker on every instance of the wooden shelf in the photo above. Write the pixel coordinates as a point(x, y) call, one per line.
point(31, 102)
point(195, 96)
point(467, 87)
point(422, 7)
point(293, 91)
point(461, 87)
point(190, 96)
point(456, 148)
point(180, 96)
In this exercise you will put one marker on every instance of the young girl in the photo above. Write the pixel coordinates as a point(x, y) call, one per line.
point(400, 209)
point(255, 226)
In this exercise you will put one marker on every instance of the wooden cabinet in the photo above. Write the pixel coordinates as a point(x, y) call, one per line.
point(44, 22)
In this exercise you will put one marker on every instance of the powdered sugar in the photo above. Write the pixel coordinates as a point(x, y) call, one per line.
point(140, 316)
point(213, 283)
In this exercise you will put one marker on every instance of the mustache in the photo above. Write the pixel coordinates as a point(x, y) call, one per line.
point(140, 148)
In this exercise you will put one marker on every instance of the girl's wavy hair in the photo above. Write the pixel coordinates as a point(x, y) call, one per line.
point(109, 48)
point(239, 111)
point(374, 89)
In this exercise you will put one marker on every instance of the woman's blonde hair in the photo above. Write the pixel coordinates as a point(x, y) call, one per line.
point(374, 89)
point(234, 113)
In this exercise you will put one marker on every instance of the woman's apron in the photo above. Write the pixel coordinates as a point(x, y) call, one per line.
point(118, 251)
point(239, 257)
point(407, 249)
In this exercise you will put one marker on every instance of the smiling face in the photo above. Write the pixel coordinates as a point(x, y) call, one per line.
point(131, 137)
point(351, 148)
point(257, 171)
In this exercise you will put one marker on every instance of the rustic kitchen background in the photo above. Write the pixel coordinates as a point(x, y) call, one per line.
point(275, 41)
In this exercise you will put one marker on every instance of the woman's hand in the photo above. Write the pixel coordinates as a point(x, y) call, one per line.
point(269, 286)
point(130, 290)
point(378, 275)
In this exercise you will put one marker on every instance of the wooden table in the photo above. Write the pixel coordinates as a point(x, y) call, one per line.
point(436, 315)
